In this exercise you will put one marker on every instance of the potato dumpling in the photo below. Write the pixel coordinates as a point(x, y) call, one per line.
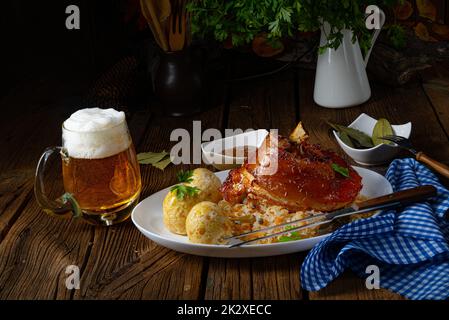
point(176, 211)
point(176, 208)
point(207, 224)
point(208, 183)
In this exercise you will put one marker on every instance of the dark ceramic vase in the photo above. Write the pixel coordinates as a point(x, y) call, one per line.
point(178, 83)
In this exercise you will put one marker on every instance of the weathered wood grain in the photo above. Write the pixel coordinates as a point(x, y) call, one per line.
point(15, 193)
point(229, 279)
point(36, 252)
point(137, 269)
point(349, 287)
point(436, 86)
point(277, 277)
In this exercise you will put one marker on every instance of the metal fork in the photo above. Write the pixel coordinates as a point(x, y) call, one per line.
point(392, 200)
point(405, 143)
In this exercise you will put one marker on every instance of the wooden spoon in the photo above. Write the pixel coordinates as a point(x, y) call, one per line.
point(149, 12)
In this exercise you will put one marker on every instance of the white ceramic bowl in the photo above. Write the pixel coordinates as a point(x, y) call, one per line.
point(379, 154)
point(213, 151)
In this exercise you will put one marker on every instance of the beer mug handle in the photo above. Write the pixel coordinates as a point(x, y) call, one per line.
point(63, 205)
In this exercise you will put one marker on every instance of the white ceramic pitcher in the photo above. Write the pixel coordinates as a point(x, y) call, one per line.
point(341, 79)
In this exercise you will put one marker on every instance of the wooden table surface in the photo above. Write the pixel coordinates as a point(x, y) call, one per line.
point(119, 262)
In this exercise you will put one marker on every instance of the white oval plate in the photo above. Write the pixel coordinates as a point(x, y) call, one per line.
point(147, 217)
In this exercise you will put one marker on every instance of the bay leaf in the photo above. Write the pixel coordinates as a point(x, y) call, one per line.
point(361, 139)
point(381, 129)
point(346, 140)
point(162, 164)
point(151, 157)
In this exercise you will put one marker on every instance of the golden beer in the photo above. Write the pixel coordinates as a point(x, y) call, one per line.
point(104, 188)
point(100, 171)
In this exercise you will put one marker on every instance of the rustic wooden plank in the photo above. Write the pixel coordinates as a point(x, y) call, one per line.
point(263, 103)
point(436, 86)
point(123, 263)
point(399, 105)
point(277, 277)
point(15, 192)
point(140, 270)
point(349, 287)
point(229, 279)
point(36, 252)
point(267, 103)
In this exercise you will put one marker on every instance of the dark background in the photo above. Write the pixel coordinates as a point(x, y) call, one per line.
point(35, 43)
point(37, 49)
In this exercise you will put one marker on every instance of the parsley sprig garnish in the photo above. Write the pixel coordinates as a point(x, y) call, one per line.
point(292, 237)
point(295, 235)
point(341, 170)
point(181, 190)
point(185, 176)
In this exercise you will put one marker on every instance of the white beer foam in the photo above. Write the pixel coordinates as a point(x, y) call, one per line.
point(95, 133)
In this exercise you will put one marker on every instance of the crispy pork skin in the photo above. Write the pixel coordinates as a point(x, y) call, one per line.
point(304, 180)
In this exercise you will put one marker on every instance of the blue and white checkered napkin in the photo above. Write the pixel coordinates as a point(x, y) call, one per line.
point(411, 247)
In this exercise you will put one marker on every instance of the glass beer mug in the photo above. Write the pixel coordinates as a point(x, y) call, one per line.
point(100, 171)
